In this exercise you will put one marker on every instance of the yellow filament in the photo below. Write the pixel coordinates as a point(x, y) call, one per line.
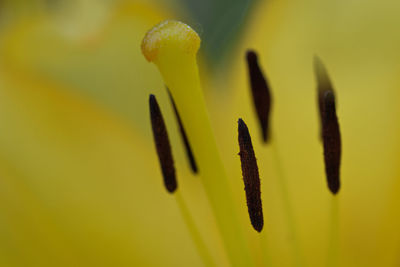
point(297, 254)
point(173, 46)
point(333, 248)
point(265, 254)
point(195, 234)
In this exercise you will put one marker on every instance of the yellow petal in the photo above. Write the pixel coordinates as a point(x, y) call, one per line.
point(104, 64)
point(80, 185)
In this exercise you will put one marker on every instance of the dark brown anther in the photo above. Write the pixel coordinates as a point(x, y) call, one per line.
point(324, 85)
point(185, 139)
point(250, 177)
point(260, 92)
point(332, 142)
point(162, 145)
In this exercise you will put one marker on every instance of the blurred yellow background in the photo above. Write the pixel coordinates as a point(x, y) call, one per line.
point(80, 183)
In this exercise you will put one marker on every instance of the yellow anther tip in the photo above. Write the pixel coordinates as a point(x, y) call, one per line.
point(170, 34)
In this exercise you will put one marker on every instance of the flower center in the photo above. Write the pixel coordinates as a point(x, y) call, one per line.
point(172, 46)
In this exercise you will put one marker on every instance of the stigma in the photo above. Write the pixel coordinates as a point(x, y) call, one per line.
point(168, 37)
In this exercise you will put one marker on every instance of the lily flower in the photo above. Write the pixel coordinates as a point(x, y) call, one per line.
point(80, 179)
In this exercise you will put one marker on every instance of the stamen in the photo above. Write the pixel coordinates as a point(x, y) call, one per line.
point(250, 177)
point(324, 85)
point(167, 166)
point(332, 142)
point(261, 93)
point(185, 139)
point(162, 145)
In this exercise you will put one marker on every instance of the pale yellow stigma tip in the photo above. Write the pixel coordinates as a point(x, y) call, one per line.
point(170, 34)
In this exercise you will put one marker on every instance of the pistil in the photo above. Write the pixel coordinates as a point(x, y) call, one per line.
point(173, 46)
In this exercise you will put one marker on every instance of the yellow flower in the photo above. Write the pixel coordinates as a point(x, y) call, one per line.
point(80, 183)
